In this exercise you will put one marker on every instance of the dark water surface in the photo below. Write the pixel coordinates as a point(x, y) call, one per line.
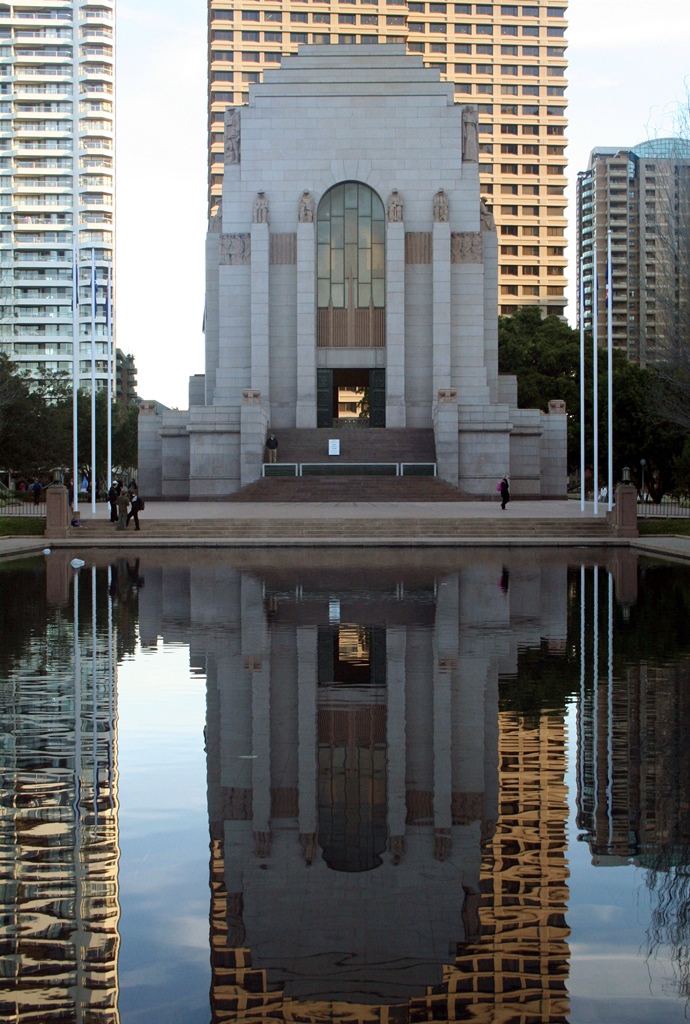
point(320, 786)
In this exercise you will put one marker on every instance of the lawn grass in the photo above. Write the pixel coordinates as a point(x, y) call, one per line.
point(664, 527)
point(22, 526)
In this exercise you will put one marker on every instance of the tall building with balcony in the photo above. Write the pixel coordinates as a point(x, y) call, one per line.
point(507, 59)
point(56, 181)
point(642, 196)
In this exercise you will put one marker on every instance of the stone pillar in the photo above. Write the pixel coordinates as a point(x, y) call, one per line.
point(623, 518)
point(307, 687)
point(256, 661)
point(306, 325)
point(395, 324)
point(253, 426)
point(259, 308)
point(445, 417)
point(441, 305)
point(396, 642)
point(445, 661)
point(57, 511)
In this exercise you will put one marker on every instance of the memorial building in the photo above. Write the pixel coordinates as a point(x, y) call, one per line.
point(351, 278)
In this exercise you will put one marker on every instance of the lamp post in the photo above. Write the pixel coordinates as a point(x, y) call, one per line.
point(643, 463)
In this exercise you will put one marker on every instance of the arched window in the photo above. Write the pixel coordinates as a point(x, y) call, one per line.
point(351, 267)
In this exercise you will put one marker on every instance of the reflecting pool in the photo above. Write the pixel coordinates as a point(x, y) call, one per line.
point(345, 786)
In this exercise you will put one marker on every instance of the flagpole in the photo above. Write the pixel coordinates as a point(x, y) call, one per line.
point(582, 385)
point(93, 382)
point(75, 381)
point(609, 365)
point(595, 382)
point(109, 343)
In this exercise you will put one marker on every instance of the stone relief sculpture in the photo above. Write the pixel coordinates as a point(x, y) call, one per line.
point(232, 136)
point(486, 217)
point(395, 207)
point(235, 250)
point(306, 208)
point(466, 247)
point(261, 208)
point(470, 134)
point(441, 211)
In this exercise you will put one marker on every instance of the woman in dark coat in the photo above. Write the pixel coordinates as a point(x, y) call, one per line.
point(505, 492)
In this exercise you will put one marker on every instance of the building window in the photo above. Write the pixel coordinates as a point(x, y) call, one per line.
point(351, 254)
point(273, 16)
point(250, 15)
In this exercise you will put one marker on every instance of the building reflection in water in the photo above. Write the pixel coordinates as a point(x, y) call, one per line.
point(59, 837)
point(355, 757)
point(385, 762)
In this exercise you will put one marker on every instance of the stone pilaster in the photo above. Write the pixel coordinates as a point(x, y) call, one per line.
point(396, 641)
point(253, 427)
point(445, 661)
point(445, 417)
point(441, 305)
point(259, 308)
point(307, 685)
point(395, 324)
point(306, 325)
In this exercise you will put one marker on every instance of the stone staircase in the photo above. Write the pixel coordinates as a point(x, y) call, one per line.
point(356, 445)
point(348, 488)
point(346, 528)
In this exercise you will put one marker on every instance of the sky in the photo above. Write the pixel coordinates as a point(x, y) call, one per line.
point(629, 65)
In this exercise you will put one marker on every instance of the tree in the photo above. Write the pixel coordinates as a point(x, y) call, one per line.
point(544, 355)
point(36, 425)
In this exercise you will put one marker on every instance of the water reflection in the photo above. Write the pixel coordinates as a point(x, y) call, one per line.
point(386, 756)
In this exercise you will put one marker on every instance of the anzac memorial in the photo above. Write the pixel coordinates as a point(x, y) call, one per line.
point(351, 282)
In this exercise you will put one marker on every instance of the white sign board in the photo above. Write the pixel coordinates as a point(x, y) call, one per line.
point(334, 447)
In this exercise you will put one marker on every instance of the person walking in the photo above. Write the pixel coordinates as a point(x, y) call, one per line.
point(505, 492)
point(272, 447)
point(134, 511)
point(122, 506)
point(113, 494)
point(36, 490)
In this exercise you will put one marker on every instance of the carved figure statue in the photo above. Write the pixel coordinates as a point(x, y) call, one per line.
point(441, 211)
point(261, 208)
point(232, 136)
point(395, 207)
point(470, 134)
point(306, 208)
point(486, 217)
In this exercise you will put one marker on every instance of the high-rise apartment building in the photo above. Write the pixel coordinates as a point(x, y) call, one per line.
point(642, 196)
point(56, 180)
point(508, 59)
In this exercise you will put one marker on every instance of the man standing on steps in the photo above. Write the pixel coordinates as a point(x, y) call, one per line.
point(272, 447)
point(505, 492)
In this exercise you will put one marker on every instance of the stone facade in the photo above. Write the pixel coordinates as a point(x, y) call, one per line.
point(374, 120)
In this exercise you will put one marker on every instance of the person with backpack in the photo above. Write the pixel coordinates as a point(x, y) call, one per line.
point(136, 506)
point(505, 492)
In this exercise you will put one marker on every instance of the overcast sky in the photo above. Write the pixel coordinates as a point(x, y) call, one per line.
point(629, 62)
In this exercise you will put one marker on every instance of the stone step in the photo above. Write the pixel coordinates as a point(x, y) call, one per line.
point(349, 488)
point(356, 445)
point(344, 527)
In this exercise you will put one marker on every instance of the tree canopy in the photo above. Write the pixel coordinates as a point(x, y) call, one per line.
point(544, 355)
point(36, 426)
